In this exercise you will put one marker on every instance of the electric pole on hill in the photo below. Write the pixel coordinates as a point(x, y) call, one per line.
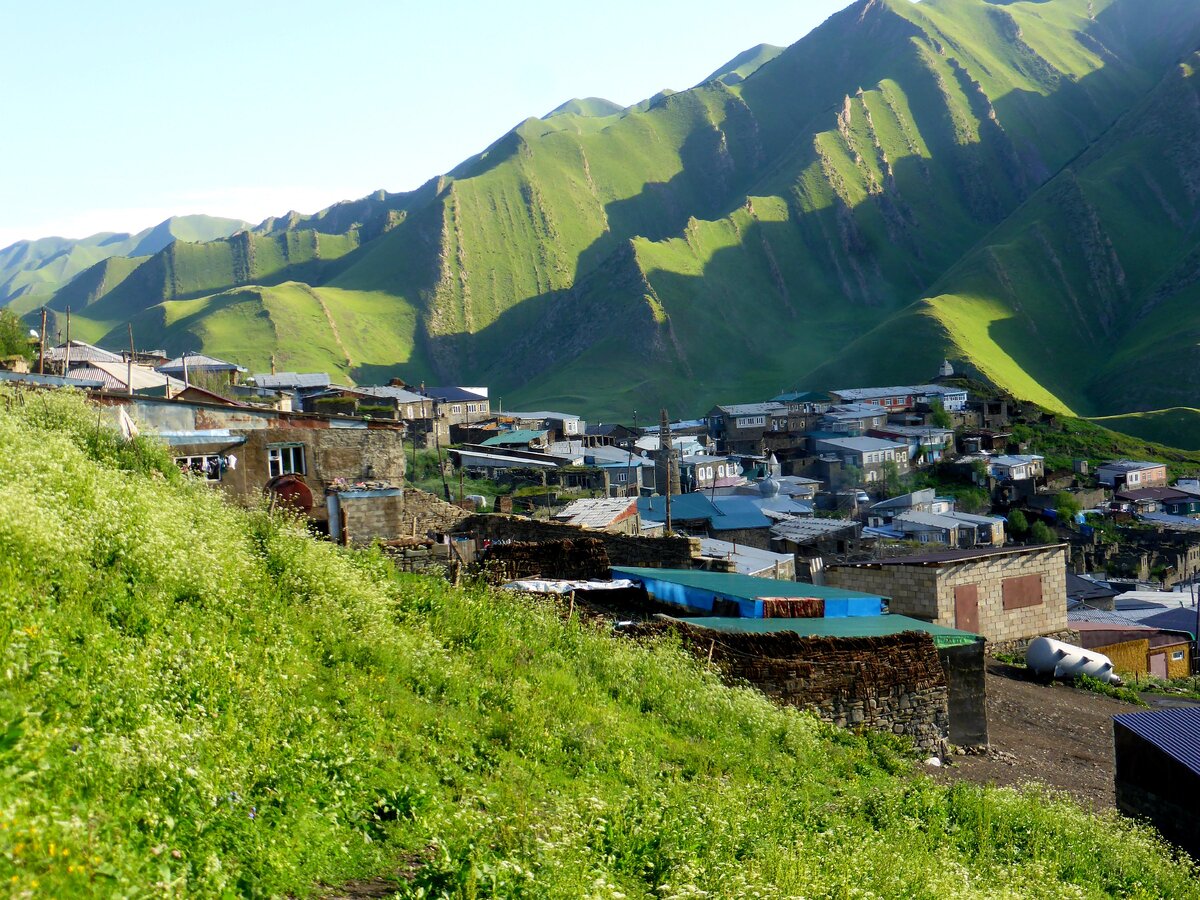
point(671, 475)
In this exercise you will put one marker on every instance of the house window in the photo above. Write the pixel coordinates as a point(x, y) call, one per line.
point(456, 408)
point(1176, 656)
point(622, 477)
point(285, 459)
point(209, 466)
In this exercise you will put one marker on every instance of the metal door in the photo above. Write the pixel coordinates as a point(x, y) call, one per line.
point(966, 608)
point(1158, 665)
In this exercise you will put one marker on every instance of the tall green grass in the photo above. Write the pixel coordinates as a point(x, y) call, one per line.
point(200, 700)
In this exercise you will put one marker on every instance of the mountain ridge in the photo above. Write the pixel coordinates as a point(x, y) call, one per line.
point(736, 238)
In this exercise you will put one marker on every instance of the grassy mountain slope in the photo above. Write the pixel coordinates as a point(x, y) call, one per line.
point(1089, 289)
point(744, 64)
point(745, 237)
point(37, 268)
point(1178, 427)
point(203, 701)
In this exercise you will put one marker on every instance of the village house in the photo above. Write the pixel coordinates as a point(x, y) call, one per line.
point(1008, 594)
point(610, 435)
point(247, 450)
point(71, 354)
point(562, 426)
point(459, 405)
point(925, 500)
point(1016, 468)
point(751, 561)
point(810, 540)
point(1138, 650)
point(926, 444)
point(1126, 473)
point(805, 403)
point(903, 397)
point(740, 427)
point(191, 365)
point(613, 515)
point(958, 531)
point(520, 438)
point(852, 419)
point(295, 383)
point(868, 454)
point(701, 473)
point(1158, 771)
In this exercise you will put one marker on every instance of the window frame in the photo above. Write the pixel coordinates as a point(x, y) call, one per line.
point(276, 455)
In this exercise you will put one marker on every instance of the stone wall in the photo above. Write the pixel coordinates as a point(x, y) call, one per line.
point(927, 590)
point(583, 558)
point(368, 516)
point(424, 513)
point(623, 550)
point(894, 684)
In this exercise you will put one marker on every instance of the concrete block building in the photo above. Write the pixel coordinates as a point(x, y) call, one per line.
point(1007, 594)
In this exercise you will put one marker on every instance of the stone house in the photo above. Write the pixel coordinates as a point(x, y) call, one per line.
point(741, 427)
point(1127, 473)
point(870, 455)
point(240, 449)
point(1007, 594)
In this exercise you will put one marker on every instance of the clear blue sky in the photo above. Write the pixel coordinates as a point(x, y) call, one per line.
point(120, 114)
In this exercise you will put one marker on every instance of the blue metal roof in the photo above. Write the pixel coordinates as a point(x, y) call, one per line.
point(1174, 731)
point(683, 507)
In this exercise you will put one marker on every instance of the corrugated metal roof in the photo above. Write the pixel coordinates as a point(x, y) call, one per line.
point(953, 556)
point(861, 444)
point(683, 507)
point(801, 530)
point(854, 626)
point(744, 587)
point(1128, 465)
point(199, 362)
point(748, 560)
point(1180, 618)
point(51, 380)
point(293, 380)
point(598, 513)
point(81, 351)
point(1174, 731)
point(399, 394)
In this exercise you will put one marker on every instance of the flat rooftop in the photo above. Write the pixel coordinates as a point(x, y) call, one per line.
point(856, 626)
point(742, 587)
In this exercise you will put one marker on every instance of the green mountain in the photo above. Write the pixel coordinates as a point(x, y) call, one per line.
point(30, 271)
point(744, 64)
point(1008, 184)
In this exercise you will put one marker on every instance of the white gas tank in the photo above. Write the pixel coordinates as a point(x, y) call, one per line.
point(1050, 657)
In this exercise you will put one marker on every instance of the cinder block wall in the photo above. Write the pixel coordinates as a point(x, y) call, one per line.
point(927, 591)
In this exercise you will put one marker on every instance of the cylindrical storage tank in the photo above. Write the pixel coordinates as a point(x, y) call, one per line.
point(1050, 657)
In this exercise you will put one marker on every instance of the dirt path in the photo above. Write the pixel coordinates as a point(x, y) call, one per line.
point(1050, 733)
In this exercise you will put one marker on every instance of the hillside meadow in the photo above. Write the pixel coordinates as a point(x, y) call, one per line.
point(199, 700)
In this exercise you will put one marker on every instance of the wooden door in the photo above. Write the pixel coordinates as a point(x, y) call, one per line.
point(966, 608)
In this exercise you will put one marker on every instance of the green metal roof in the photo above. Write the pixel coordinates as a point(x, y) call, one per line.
point(858, 626)
point(517, 436)
point(743, 587)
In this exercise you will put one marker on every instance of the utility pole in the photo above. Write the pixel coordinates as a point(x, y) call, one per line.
point(664, 449)
point(67, 350)
point(129, 366)
point(42, 345)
